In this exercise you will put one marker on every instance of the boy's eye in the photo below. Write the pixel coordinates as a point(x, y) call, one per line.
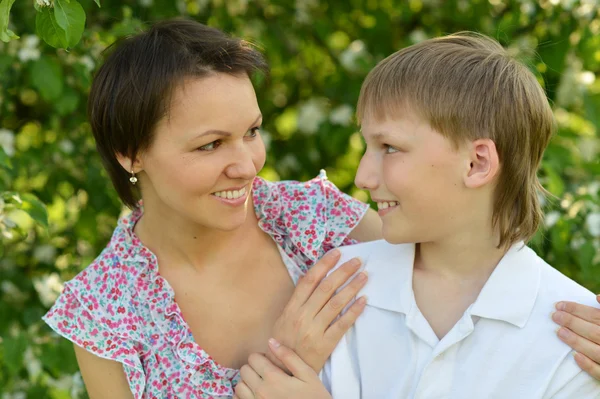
point(390, 149)
point(210, 146)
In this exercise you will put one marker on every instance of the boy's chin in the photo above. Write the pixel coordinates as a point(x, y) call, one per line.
point(394, 236)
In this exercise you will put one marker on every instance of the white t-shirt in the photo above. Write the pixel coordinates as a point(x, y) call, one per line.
point(503, 347)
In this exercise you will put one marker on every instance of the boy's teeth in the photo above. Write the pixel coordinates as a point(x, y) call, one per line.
point(385, 205)
point(231, 194)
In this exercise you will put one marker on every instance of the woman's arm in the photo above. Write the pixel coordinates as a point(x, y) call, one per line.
point(581, 331)
point(368, 229)
point(104, 379)
point(309, 324)
point(262, 379)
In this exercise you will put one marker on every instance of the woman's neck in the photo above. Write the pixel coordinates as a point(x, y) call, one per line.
point(185, 243)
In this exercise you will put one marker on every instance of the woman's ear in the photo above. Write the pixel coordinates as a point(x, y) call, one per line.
point(130, 166)
point(484, 163)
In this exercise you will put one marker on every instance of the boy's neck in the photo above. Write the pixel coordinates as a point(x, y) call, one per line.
point(459, 257)
point(448, 277)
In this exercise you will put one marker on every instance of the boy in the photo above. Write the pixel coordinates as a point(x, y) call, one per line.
point(455, 131)
point(457, 304)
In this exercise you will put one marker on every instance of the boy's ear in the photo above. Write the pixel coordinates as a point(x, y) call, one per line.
point(128, 164)
point(484, 163)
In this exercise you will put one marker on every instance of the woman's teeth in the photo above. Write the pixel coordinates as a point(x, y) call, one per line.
point(385, 205)
point(231, 194)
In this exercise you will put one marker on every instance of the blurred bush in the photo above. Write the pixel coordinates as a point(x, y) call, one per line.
point(319, 54)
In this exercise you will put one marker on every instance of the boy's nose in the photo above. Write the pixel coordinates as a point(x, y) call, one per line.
point(366, 176)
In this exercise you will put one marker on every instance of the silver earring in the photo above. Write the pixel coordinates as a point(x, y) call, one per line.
point(133, 179)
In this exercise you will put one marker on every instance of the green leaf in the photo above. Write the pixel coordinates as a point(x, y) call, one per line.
point(68, 102)
point(4, 159)
point(98, 3)
point(34, 208)
point(6, 34)
point(47, 77)
point(14, 351)
point(48, 29)
point(70, 16)
point(586, 255)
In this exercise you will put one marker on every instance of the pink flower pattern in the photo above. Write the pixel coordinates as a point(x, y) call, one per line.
point(120, 308)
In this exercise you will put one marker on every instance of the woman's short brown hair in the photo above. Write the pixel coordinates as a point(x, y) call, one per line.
point(132, 90)
point(467, 86)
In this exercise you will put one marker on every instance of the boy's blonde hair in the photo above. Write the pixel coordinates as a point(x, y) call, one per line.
point(467, 87)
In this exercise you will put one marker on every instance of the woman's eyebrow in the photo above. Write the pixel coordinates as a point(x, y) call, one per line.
point(224, 133)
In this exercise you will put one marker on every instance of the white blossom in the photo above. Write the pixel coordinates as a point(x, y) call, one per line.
point(355, 51)
point(593, 224)
point(29, 49)
point(7, 141)
point(288, 163)
point(77, 388)
point(66, 146)
point(341, 115)
point(417, 35)
point(146, 3)
point(32, 363)
point(43, 3)
point(48, 288)
point(551, 219)
point(311, 114)
point(44, 253)
point(577, 243)
point(88, 62)
point(586, 78)
point(12, 292)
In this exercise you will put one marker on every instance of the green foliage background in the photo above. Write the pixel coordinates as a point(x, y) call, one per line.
point(58, 208)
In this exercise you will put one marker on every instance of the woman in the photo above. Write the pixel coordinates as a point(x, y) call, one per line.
point(209, 261)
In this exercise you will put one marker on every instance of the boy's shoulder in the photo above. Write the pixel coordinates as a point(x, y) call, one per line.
point(374, 249)
point(555, 287)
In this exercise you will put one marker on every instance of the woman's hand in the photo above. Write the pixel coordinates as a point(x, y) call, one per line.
point(581, 331)
point(307, 325)
point(262, 379)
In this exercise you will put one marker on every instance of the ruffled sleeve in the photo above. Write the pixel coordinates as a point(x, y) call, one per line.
point(307, 219)
point(71, 317)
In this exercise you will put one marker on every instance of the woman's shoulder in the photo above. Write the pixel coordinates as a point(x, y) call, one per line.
point(307, 218)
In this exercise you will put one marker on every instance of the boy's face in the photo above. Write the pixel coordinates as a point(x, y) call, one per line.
point(416, 176)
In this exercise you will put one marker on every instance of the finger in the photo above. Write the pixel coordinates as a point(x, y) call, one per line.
point(308, 283)
point(336, 331)
point(292, 361)
point(587, 365)
point(584, 312)
point(243, 391)
point(264, 367)
point(579, 344)
point(250, 377)
point(581, 327)
point(338, 302)
point(329, 285)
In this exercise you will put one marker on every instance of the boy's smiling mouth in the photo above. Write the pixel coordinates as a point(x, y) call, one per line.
point(384, 207)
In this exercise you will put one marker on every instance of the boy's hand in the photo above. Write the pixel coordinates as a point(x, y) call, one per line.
point(581, 331)
point(305, 326)
point(262, 379)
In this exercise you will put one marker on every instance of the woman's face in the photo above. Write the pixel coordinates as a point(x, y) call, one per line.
point(206, 153)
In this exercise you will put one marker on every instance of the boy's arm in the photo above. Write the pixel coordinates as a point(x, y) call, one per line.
point(581, 331)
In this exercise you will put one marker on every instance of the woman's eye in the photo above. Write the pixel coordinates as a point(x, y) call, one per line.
point(390, 149)
point(210, 146)
point(253, 132)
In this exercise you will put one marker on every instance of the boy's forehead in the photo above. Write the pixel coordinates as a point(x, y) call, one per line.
point(392, 126)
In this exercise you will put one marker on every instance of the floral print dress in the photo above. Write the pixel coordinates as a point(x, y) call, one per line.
point(120, 308)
